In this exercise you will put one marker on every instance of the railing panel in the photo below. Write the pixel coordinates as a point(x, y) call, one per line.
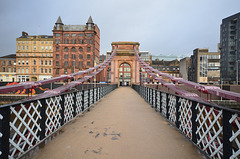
point(79, 102)
point(172, 108)
point(24, 127)
point(164, 104)
point(210, 130)
point(68, 110)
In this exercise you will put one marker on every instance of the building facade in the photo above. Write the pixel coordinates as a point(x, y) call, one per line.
point(170, 67)
point(204, 67)
point(8, 68)
point(76, 47)
point(230, 49)
point(184, 65)
point(34, 57)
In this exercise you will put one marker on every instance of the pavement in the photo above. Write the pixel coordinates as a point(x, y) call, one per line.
point(120, 126)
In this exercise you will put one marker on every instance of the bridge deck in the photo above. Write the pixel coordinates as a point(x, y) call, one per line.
point(122, 125)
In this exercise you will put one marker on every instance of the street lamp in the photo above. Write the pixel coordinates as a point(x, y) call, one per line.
point(237, 71)
point(108, 74)
point(140, 72)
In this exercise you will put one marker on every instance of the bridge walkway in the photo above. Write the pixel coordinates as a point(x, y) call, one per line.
point(122, 125)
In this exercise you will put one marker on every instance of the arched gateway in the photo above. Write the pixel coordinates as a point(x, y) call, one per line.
point(124, 66)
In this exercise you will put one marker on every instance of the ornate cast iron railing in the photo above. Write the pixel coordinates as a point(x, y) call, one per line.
point(215, 130)
point(24, 125)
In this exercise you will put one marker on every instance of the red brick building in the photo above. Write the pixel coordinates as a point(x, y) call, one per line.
point(76, 47)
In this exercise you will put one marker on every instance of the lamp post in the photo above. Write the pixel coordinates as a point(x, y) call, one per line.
point(108, 74)
point(140, 72)
point(237, 71)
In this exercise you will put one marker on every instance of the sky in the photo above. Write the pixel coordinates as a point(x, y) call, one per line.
point(167, 27)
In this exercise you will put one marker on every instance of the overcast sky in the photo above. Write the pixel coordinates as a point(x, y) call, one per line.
point(161, 26)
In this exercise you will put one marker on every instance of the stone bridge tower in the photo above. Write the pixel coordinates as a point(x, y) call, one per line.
point(124, 66)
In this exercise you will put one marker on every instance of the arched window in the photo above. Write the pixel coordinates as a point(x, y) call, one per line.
point(73, 49)
point(81, 49)
point(66, 49)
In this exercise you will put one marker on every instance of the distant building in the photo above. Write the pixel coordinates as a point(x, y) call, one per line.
point(230, 49)
point(76, 47)
point(184, 65)
point(170, 67)
point(204, 67)
point(8, 68)
point(167, 57)
point(34, 57)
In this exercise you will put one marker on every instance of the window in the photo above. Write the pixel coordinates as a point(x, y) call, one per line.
point(57, 49)
point(80, 56)
point(81, 49)
point(27, 55)
point(41, 62)
point(4, 62)
point(57, 35)
point(57, 56)
point(57, 63)
point(66, 63)
point(27, 48)
point(74, 35)
point(80, 64)
point(34, 47)
point(50, 47)
point(34, 70)
point(19, 62)
point(27, 62)
point(9, 62)
point(66, 35)
point(9, 69)
point(23, 42)
point(26, 70)
point(34, 42)
point(23, 62)
point(18, 70)
point(19, 55)
point(23, 55)
point(23, 47)
point(45, 70)
point(42, 42)
point(34, 62)
point(42, 47)
point(65, 71)
point(41, 70)
point(45, 62)
point(73, 64)
point(46, 47)
point(19, 47)
point(89, 49)
point(81, 35)
point(73, 56)
point(80, 41)
point(50, 62)
point(50, 70)
point(89, 34)
point(74, 41)
point(22, 70)
point(14, 69)
point(66, 41)
point(88, 56)
point(45, 55)
point(66, 49)
point(73, 49)
point(42, 55)
point(88, 63)
point(65, 56)
point(4, 69)
point(57, 71)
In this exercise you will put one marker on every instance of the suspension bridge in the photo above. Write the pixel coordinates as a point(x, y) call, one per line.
point(123, 126)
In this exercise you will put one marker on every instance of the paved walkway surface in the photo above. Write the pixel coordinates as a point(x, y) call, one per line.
point(120, 126)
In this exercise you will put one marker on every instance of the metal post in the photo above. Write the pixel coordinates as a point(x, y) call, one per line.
point(4, 131)
point(227, 134)
point(62, 110)
point(43, 118)
point(167, 105)
point(140, 72)
point(74, 104)
point(194, 122)
point(177, 111)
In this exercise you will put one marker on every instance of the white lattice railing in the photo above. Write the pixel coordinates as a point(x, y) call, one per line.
point(24, 125)
point(215, 130)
